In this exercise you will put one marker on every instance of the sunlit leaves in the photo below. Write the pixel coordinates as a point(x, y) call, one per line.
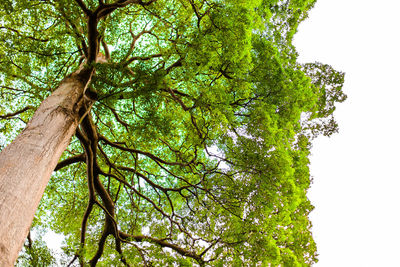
point(204, 120)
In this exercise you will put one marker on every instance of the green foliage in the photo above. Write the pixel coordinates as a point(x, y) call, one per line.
point(210, 118)
point(36, 253)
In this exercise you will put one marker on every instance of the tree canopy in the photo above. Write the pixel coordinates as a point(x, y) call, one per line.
point(196, 149)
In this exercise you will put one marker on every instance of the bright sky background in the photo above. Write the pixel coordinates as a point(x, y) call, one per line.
point(356, 188)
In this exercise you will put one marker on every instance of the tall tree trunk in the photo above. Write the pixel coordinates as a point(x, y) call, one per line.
point(28, 162)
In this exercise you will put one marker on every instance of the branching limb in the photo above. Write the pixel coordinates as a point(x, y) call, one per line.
point(106, 9)
point(85, 141)
point(178, 100)
point(119, 250)
point(139, 194)
point(110, 224)
point(83, 7)
point(78, 34)
point(100, 249)
point(149, 155)
point(24, 36)
point(10, 115)
point(132, 59)
point(140, 250)
point(115, 113)
point(69, 161)
point(163, 243)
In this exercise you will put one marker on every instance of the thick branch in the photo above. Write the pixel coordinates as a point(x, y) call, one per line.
point(90, 177)
point(106, 9)
point(83, 7)
point(69, 161)
point(100, 248)
point(93, 37)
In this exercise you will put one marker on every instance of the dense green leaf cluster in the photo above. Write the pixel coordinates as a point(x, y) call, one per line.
point(205, 120)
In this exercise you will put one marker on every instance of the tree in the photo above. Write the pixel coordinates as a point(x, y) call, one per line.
point(191, 124)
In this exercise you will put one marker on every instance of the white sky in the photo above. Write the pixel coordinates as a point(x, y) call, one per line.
point(356, 172)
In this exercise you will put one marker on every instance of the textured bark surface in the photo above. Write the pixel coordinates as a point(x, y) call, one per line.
point(28, 162)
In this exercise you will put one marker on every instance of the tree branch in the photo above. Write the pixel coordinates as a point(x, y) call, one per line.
point(69, 161)
point(163, 243)
point(83, 7)
point(24, 36)
point(8, 115)
point(106, 9)
point(149, 155)
point(130, 60)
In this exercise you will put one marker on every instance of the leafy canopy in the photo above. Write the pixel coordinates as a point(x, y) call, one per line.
point(201, 128)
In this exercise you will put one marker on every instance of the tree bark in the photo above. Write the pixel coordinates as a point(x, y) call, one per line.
point(28, 162)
